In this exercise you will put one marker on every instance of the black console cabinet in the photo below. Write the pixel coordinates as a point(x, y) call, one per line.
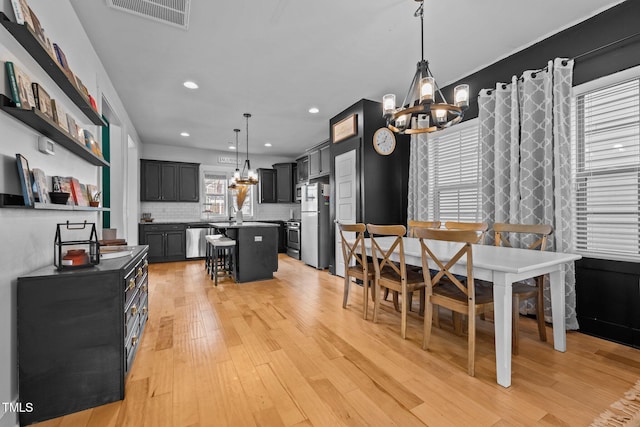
point(78, 333)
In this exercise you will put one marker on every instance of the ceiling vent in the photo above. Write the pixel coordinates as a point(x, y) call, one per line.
point(172, 12)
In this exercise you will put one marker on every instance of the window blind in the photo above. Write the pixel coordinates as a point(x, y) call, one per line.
point(606, 165)
point(454, 176)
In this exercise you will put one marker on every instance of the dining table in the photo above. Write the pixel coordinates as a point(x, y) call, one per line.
point(502, 266)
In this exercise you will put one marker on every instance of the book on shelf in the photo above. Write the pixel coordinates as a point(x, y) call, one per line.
point(82, 87)
point(22, 13)
point(59, 115)
point(40, 185)
point(13, 84)
point(24, 173)
point(37, 28)
point(77, 193)
point(63, 184)
point(93, 103)
point(92, 191)
point(24, 88)
point(42, 100)
point(62, 60)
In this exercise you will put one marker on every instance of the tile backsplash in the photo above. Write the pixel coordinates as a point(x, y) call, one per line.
point(188, 212)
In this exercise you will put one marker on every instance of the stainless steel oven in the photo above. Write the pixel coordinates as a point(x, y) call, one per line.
point(293, 238)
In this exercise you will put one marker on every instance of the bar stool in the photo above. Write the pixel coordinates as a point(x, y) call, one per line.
point(208, 256)
point(222, 259)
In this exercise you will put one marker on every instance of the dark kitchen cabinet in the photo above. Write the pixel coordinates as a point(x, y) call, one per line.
point(302, 170)
point(188, 179)
point(166, 241)
point(78, 334)
point(267, 186)
point(319, 161)
point(162, 181)
point(285, 185)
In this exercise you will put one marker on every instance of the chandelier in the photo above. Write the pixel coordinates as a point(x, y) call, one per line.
point(421, 111)
point(248, 175)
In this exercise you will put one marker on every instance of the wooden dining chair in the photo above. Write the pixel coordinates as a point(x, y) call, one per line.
point(521, 290)
point(355, 263)
point(462, 297)
point(480, 227)
point(412, 224)
point(391, 275)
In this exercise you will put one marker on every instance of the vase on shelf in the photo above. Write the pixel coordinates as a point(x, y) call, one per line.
point(239, 217)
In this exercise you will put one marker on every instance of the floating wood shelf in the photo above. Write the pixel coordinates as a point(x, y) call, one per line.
point(56, 207)
point(34, 47)
point(43, 124)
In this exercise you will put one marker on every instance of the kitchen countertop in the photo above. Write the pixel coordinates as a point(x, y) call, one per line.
point(245, 224)
point(204, 221)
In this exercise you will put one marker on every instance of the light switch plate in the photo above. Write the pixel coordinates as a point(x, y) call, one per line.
point(46, 145)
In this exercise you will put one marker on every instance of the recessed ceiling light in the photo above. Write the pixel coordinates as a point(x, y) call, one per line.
point(184, 133)
point(191, 85)
point(314, 110)
point(232, 147)
point(268, 144)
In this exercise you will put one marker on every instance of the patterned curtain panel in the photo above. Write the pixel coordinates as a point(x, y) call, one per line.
point(418, 203)
point(525, 160)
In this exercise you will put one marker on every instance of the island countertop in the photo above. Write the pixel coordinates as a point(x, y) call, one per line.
point(245, 224)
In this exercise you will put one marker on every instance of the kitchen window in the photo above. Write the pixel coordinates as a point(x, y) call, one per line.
point(606, 167)
point(218, 198)
point(454, 173)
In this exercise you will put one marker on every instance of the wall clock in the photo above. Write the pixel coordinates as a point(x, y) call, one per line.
point(384, 141)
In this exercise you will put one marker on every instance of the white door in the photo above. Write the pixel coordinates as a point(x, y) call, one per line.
point(346, 199)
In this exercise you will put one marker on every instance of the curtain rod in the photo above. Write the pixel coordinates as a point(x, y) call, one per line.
point(597, 49)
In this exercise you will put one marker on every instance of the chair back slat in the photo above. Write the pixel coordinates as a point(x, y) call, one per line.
point(467, 238)
point(413, 224)
point(354, 252)
point(502, 231)
point(382, 258)
point(481, 227)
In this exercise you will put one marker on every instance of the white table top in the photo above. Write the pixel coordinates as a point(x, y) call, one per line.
point(487, 257)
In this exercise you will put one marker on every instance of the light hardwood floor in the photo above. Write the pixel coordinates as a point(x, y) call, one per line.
point(284, 352)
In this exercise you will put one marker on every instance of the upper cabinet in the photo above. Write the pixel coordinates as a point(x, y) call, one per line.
point(169, 181)
point(285, 183)
point(319, 160)
point(266, 185)
point(302, 169)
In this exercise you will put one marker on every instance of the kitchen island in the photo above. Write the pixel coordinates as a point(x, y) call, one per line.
point(256, 251)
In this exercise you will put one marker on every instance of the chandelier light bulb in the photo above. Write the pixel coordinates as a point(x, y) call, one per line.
point(427, 89)
point(389, 103)
point(440, 116)
point(461, 96)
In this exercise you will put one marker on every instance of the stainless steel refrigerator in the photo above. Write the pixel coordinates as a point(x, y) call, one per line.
point(315, 236)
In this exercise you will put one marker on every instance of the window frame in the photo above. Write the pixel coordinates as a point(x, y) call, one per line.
point(581, 174)
point(435, 189)
point(229, 200)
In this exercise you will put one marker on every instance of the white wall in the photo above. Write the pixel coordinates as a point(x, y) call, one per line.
point(27, 236)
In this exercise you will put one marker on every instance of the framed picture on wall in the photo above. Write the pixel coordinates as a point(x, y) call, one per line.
point(25, 179)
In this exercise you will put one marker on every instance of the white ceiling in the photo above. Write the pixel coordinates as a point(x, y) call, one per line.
point(277, 58)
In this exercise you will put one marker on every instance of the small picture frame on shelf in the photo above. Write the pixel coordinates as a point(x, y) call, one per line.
point(25, 180)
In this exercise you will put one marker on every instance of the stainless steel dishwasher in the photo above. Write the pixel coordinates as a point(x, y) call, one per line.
point(195, 239)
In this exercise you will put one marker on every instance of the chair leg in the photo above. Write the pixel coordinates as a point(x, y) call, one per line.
point(436, 316)
point(386, 293)
point(422, 298)
point(395, 301)
point(365, 302)
point(376, 301)
point(410, 300)
point(428, 321)
point(457, 322)
point(347, 285)
point(542, 327)
point(515, 334)
point(405, 309)
point(471, 364)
